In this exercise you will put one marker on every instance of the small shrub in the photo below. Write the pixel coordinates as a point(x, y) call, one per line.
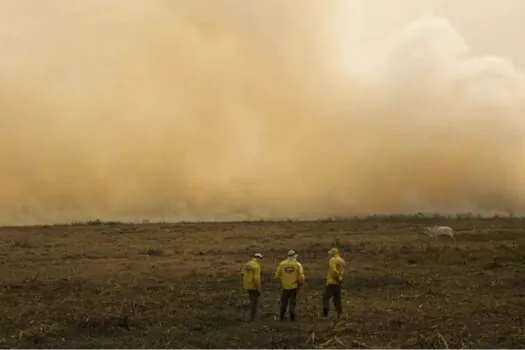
point(337, 243)
point(96, 222)
point(154, 252)
point(22, 244)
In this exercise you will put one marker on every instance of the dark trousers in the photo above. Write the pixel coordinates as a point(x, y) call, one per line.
point(288, 296)
point(254, 301)
point(332, 291)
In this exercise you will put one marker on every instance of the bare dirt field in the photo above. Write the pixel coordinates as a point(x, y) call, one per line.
point(178, 285)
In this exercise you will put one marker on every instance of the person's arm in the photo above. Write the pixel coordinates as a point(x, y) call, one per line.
point(242, 277)
point(300, 274)
point(277, 274)
point(257, 278)
point(341, 269)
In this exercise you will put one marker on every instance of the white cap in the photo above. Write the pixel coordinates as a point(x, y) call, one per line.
point(258, 255)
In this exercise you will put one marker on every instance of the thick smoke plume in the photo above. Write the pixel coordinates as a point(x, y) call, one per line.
point(177, 109)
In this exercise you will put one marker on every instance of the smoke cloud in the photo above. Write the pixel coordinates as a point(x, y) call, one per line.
point(203, 110)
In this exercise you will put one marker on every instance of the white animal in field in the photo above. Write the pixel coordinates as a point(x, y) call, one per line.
point(440, 231)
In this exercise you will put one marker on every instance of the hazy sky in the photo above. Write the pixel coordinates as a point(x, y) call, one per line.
point(488, 26)
point(177, 109)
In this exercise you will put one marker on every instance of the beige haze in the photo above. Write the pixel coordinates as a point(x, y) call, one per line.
point(205, 110)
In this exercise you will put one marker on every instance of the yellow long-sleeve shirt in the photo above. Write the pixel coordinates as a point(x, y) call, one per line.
point(251, 275)
point(290, 273)
point(336, 268)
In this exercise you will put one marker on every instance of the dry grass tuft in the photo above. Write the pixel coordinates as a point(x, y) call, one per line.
point(154, 252)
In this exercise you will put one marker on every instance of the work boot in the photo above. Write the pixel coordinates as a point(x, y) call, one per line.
point(292, 317)
point(281, 316)
point(325, 312)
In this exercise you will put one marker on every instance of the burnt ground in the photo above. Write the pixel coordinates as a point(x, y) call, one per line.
point(178, 285)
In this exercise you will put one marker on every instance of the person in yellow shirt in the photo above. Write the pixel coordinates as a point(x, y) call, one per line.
point(290, 274)
point(251, 281)
point(334, 279)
